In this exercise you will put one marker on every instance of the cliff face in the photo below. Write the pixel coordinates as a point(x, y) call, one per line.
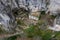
point(6, 16)
point(29, 4)
point(54, 6)
point(6, 7)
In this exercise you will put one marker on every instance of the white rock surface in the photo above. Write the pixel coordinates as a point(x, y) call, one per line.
point(56, 24)
point(33, 17)
point(54, 6)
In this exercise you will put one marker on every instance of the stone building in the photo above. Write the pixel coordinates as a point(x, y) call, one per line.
point(35, 7)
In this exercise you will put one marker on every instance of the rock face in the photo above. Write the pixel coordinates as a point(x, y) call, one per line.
point(6, 16)
point(37, 5)
point(56, 24)
point(54, 6)
point(32, 5)
point(6, 6)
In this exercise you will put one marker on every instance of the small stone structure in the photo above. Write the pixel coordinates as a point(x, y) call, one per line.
point(34, 15)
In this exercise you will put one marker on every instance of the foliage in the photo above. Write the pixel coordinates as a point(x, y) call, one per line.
point(20, 22)
point(42, 12)
point(47, 35)
point(1, 31)
point(35, 31)
point(29, 31)
point(52, 16)
point(57, 35)
point(12, 38)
